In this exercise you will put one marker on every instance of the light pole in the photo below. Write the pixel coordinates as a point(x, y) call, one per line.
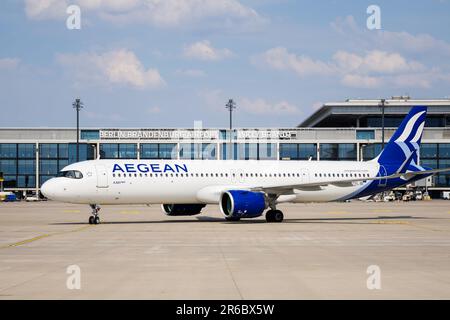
point(77, 104)
point(231, 105)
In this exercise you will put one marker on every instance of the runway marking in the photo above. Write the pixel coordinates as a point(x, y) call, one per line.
point(71, 211)
point(23, 242)
point(130, 212)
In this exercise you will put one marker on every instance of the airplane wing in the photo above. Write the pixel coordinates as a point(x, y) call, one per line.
point(280, 189)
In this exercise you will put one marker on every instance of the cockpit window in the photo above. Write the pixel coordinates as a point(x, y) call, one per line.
point(72, 174)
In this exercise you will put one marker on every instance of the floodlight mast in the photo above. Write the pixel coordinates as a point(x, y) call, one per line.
point(78, 105)
point(231, 105)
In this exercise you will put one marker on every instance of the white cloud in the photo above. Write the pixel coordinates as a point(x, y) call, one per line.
point(9, 63)
point(371, 69)
point(203, 50)
point(46, 9)
point(161, 13)
point(375, 61)
point(360, 81)
point(261, 106)
point(279, 58)
point(400, 41)
point(109, 5)
point(216, 100)
point(112, 67)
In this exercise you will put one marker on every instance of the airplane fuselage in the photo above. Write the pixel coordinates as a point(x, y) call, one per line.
point(202, 181)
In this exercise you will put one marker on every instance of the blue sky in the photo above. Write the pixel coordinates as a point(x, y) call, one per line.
point(153, 63)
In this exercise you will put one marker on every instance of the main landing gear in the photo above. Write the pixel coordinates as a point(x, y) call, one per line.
point(274, 215)
point(94, 219)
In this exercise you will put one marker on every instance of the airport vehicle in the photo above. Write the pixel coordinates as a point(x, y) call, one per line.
point(242, 188)
point(418, 195)
point(389, 197)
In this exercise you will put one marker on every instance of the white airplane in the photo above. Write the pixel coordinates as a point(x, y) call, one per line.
point(241, 188)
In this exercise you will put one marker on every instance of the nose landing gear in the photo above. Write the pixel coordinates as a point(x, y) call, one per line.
point(94, 219)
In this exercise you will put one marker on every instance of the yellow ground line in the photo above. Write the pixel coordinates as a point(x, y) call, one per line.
point(27, 241)
point(20, 243)
point(71, 211)
point(381, 210)
point(390, 222)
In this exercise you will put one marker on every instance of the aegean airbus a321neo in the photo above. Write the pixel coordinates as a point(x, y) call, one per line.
point(241, 188)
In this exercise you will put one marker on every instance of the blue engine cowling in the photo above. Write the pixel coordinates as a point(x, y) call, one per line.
point(242, 204)
point(182, 209)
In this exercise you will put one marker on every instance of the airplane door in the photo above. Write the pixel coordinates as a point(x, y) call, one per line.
point(305, 176)
point(383, 173)
point(102, 177)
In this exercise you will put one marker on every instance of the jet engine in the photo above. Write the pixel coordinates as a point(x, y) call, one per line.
point(182, 209)
point(236, 204)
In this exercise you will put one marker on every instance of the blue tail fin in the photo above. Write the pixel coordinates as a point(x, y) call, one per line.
point(405, 142)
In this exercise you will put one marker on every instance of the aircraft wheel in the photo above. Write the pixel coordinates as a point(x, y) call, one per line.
point(91, 220)
point(278, 216)
point(96, 220)
point(270, 216)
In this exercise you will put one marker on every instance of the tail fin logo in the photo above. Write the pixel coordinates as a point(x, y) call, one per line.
point(406, 140)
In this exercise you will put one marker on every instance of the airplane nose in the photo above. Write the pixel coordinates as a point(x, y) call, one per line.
point(48, 189)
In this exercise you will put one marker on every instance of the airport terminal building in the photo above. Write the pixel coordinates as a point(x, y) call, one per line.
point(348, 130)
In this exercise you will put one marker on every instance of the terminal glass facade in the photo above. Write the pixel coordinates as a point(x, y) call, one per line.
point(338, 151)
point(298, 151)
point(28, 165)
point(19, 166)
point(158, 151)
point(249, 151)
point(204, 151)
point(437, 156)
